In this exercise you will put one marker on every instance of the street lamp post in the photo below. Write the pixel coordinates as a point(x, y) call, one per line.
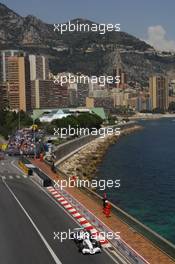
point(34, 137)
point(19, 120)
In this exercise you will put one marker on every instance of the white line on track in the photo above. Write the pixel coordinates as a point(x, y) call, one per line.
point(12, 163)
point(71, 216)
point(52, 253)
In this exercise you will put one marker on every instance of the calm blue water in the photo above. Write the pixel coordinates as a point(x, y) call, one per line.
point(145, 164)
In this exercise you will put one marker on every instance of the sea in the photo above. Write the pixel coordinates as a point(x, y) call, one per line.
point(144, 161)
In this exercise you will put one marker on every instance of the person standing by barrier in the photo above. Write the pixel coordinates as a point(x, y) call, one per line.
point(108, 209)
point(104, 208)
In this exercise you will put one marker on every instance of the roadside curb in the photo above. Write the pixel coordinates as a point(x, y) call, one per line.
point(78, 216)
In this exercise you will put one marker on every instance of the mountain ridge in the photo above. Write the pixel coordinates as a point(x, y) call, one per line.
point(86, 52)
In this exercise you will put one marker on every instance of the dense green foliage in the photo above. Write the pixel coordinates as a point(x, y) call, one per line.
point(10, 121)
point(84, 120)
point(171, 107)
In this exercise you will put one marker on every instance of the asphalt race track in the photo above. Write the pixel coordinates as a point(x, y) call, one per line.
point(28, 219)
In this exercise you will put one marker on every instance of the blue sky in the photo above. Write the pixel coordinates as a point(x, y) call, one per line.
point(135, 16)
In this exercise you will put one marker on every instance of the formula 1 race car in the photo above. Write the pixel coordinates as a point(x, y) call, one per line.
point(85, 241)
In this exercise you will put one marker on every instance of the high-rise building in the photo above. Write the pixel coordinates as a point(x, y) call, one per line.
point(72, 93)
point(4, 55)
point(73, 102)
point(158, 88)
point(82, 93)
point(4, 102)
point(39, 67)
point(107, 103)
point(17, 78)
point(46, 94)
point(118, 70)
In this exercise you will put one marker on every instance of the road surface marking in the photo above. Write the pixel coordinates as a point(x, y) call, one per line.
point(12, 163)
point(68, 206)
point(67, 212)
point(18, 177)
point(87, 225)
point(72, 210)
point(57, 195)
point(10, 177)
point(76, 214)
point(54, 256)
point(3, 178)
point(54, 192)
point(94, 230)
point(81, 219)
point(64, 202)
point(60, 199)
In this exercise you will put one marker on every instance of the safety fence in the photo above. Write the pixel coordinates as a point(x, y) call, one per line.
point(29, 169)
point(166, 246)
point(119, 244)
point(25, 168)
point(70, 146)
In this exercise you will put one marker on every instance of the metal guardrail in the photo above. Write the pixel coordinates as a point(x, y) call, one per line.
point(35, 172)
point(165, 246)
point(120, 244)
point(70, 146)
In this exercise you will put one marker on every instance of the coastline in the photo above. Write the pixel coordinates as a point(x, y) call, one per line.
point(139, 242)
point(145, 244)
point(84, 163)
point(147, 116)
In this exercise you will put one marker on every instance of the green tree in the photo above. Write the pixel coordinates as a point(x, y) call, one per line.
point(171, 107)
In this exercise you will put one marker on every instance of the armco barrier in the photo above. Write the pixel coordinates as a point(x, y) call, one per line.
point(70, 146)
point(24, 168)
point(38, 179)
point(166, 246)
point(42, 178)
point(119, 244)
point(38, 175)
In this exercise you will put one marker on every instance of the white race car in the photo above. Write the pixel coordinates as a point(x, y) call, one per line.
point(85, 241)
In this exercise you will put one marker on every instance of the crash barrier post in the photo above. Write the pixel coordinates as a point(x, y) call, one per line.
point(37, 174)
point(119, 244)
point(38, 179)
point(25, 168)
point(166, 246)
point(42, 178)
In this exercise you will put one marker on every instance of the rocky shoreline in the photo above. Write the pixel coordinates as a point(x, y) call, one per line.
point(84, 163)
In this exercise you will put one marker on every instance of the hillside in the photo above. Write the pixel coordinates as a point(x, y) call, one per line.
point(87, 52)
